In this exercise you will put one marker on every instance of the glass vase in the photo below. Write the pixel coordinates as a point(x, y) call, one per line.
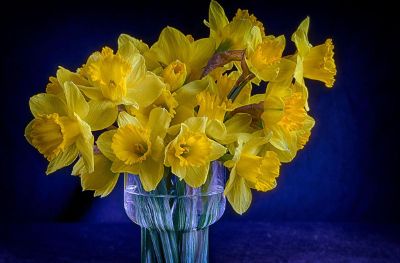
point(174, 218)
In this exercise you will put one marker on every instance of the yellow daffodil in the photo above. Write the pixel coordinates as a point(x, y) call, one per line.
point(175, 75)
point(55, 85)
point(179, 104)
point(186, 96)
point(214, 108)
point(142, 47)
point(116, 79)
point(102, 180)
point(313, 62)
point(58, 130)
point(190, 153)
point(166, 100)
point(214, 104)
point(231, 35)
point(179, 57)
point(249, 171)
point(263, 54)
point(137, 148)
point(288, 120)
point(222, 83)
point(245, 15)
point(92, 118)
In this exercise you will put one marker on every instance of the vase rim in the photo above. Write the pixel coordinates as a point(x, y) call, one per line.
point(155, 195)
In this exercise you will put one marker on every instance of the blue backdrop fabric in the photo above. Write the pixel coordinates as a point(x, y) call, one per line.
point(347, 172)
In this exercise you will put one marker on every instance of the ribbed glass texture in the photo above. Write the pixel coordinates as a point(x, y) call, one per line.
point(174, 218)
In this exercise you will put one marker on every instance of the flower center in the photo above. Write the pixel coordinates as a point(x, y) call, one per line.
point(131, 144)
point(167, 101)
point(52, 134)
point(185, 150)
point(192, 149)
point(109, 72)
point(175, 75)
point(139, 149)
point(267, 53)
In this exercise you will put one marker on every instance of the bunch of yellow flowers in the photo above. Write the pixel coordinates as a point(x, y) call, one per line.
point(183, 103)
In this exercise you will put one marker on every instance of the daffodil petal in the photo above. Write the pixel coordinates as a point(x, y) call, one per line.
point(309, 123)
point(238, 31)
point(182, 114)
point(186, 95)
point(146, 91)
point(273, 110)
point(93, 93)
point(179, 171)
point(286, 71)
point(238, 194)
point(215, 129)
point(125, 118)
point(254, 39)
point(257, 98)
point(63, 159)
point(171, 45)
point(79, 168)
point(299, 71)
point(196, 176)
point(235, 126)
point(151, 173)
point(158, 149)
point(76, 103)
point(139, 44)
point(268, 73)
point(197, 124)
point(47, 104)
point(280, 138)
point(279, 89)
point(104, 143)
point(244, 96)
point(229, 164)
point(64, 75)
point(300, 37)
point(202, 51)
point(217, 150)
point(138, 68)
point(101, 180)
point(253, 146)
point(174, 129)
point(119, 166)
point(217, 19)
point(287, 155)
point(238, 123)
point(102, 114)
point(128, 51)
point(232, 176)
point(84, 143)
point(159, 121)
point(28, 131)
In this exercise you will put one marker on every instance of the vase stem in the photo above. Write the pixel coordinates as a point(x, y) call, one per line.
point(174, 246)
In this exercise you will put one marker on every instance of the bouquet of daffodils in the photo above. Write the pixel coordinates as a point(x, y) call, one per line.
point(182, 103)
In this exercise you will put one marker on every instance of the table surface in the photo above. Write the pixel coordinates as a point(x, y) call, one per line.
point(229, 242)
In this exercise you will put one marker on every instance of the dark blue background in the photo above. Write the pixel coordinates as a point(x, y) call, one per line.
point(348, 171)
